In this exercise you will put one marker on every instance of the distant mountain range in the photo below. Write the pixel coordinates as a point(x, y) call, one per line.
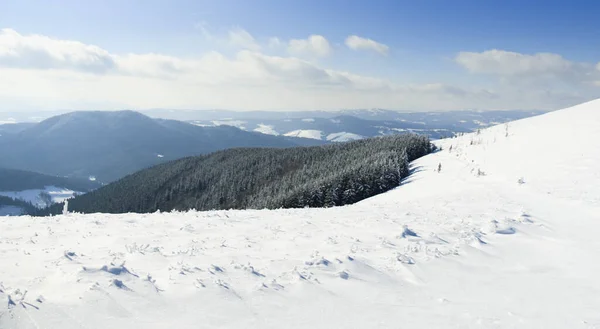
point(339, 126)
point(365, 114)
point(110, 145)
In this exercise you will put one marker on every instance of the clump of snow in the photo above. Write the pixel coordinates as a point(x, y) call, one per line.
point(160, 156)
point(444, 249)
point(308, 120)
point(343, 137)
point(266, 129)
point(313, 134)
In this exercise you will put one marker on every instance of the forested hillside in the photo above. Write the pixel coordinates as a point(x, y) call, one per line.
point(319, 176)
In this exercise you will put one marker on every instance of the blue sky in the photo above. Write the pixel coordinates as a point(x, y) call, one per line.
point(424, 41)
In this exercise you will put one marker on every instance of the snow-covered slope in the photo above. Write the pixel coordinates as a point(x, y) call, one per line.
point(317, 134)
point(503, 236)
point(266, 129)
point(343, 137)
point(306, 133)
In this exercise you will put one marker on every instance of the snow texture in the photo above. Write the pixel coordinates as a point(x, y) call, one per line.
point(447, 249)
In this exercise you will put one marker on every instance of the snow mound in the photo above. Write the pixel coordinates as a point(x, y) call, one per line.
point(313, 134)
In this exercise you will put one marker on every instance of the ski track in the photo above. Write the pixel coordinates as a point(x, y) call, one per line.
point(504, 236)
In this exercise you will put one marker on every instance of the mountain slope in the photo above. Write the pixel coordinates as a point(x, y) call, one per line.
point(109, 145)
point(470, 246)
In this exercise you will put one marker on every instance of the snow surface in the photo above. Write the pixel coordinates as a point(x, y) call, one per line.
point(58, 194)
point(505, 235)
point(306, 133)
point(343, 137)
point(266, 129)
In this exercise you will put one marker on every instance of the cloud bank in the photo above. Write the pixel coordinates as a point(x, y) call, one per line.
point(48, 73)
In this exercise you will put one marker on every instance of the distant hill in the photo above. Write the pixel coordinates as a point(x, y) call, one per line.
point(319, 176)
point(110, 145)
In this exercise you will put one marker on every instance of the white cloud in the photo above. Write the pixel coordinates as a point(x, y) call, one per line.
point(41, 52)
point(355, 42)
point(316, 45)
point(47, 73)
point(513, 64)
point(242, 39)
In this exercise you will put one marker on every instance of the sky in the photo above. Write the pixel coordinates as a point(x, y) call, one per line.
point(298, 55)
